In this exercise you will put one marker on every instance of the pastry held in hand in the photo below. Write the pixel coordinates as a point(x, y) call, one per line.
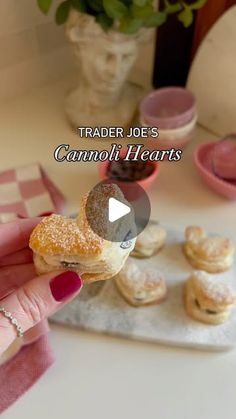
point(208, 300)
point(61, 243)
point(210, 254)
point(150, 241)
point(140, 287)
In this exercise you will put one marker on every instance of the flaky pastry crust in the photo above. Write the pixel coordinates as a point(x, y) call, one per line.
point(150, 241)
point(141, 288)
point(211, 254)
point(61, 243)
point(208, 300)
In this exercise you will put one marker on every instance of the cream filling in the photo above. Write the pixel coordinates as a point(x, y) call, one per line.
point(57, 260)
point(145, 251)
point(81, 267)
point(142, 295)
point(148, 250)
point(110, 261)
point(208, 310)
point(205, 310)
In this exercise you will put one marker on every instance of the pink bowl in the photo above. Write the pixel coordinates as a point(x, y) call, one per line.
point(144, 183)
point(175, 138)
point(203, 161)
point(224, 157)
point(168, 108)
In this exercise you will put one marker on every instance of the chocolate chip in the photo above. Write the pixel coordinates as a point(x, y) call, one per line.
point(211, 312)
point(69, 264)
point(197, 304)
point(140, 165)
point(137, 176)
point(207, 311)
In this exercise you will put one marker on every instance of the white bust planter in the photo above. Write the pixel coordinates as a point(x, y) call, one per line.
point(103, 97)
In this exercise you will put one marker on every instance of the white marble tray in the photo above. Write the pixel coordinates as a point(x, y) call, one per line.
point(100, 308)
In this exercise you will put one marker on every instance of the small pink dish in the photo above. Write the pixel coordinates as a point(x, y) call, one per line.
point(224, 157)
point(203, 161)
point(175, 138)
point(145, 183)
point(168, 108)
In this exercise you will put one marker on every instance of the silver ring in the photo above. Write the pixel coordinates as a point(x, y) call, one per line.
point(13, 321)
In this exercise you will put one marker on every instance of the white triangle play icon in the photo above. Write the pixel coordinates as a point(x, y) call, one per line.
point(117, 210)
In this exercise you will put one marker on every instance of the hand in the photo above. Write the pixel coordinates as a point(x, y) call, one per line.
point(27, 297)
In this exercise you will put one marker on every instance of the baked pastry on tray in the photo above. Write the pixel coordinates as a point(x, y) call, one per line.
point(140, 287)
point(210, 254)
point(61, 243)
point(208, 300)
point(150, 241)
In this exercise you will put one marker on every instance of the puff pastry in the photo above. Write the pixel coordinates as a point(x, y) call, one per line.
point(208, 300)
point(61, 243)
point(210, 254)
point(150, 241)
point(140, 287)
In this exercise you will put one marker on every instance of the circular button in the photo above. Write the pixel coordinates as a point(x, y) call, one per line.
point(118, 211)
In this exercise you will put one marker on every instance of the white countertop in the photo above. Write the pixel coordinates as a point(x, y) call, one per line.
point(104, 377)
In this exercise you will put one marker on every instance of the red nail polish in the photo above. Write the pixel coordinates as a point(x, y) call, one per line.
point(45, 214)
point(65, 285)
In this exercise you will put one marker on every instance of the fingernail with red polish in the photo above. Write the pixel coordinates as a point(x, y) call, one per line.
point(65, 285)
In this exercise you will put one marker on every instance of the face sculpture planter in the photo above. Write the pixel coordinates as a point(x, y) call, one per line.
point(103, 96)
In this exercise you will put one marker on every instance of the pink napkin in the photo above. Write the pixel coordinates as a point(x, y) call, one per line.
point(23, 370)
point(26, 192)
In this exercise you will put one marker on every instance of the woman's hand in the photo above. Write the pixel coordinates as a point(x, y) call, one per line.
point(27, 297)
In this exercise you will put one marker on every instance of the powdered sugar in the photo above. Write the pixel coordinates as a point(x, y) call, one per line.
point(60, 235)
point(135, 277)
point(214, 289)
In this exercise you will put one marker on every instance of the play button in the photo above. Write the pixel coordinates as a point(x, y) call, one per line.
point(117, 210)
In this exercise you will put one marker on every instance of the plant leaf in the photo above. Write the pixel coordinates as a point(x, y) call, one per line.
point(105, 21)
point(130, 25)
point(115, 9)
point(140, 3)
point(157, 19)
point(127, 2)
point(198, 4)
point(62, 12)
point(96, 5)
point(44, 5)
point(142, 12)
point(79, 5)
point(186, 16)
point(172, 8)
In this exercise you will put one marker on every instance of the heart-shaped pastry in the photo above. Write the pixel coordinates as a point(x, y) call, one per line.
point(210, 254)
point(61, 243)
point(140, 287)
point(150, 241)
point(208, 300)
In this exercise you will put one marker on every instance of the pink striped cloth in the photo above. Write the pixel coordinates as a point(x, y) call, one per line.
point(26, 192)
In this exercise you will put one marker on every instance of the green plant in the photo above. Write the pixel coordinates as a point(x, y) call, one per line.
point(131, 15)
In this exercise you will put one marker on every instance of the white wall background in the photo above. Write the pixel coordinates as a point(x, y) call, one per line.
point(34, 50)
point(213, 76)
